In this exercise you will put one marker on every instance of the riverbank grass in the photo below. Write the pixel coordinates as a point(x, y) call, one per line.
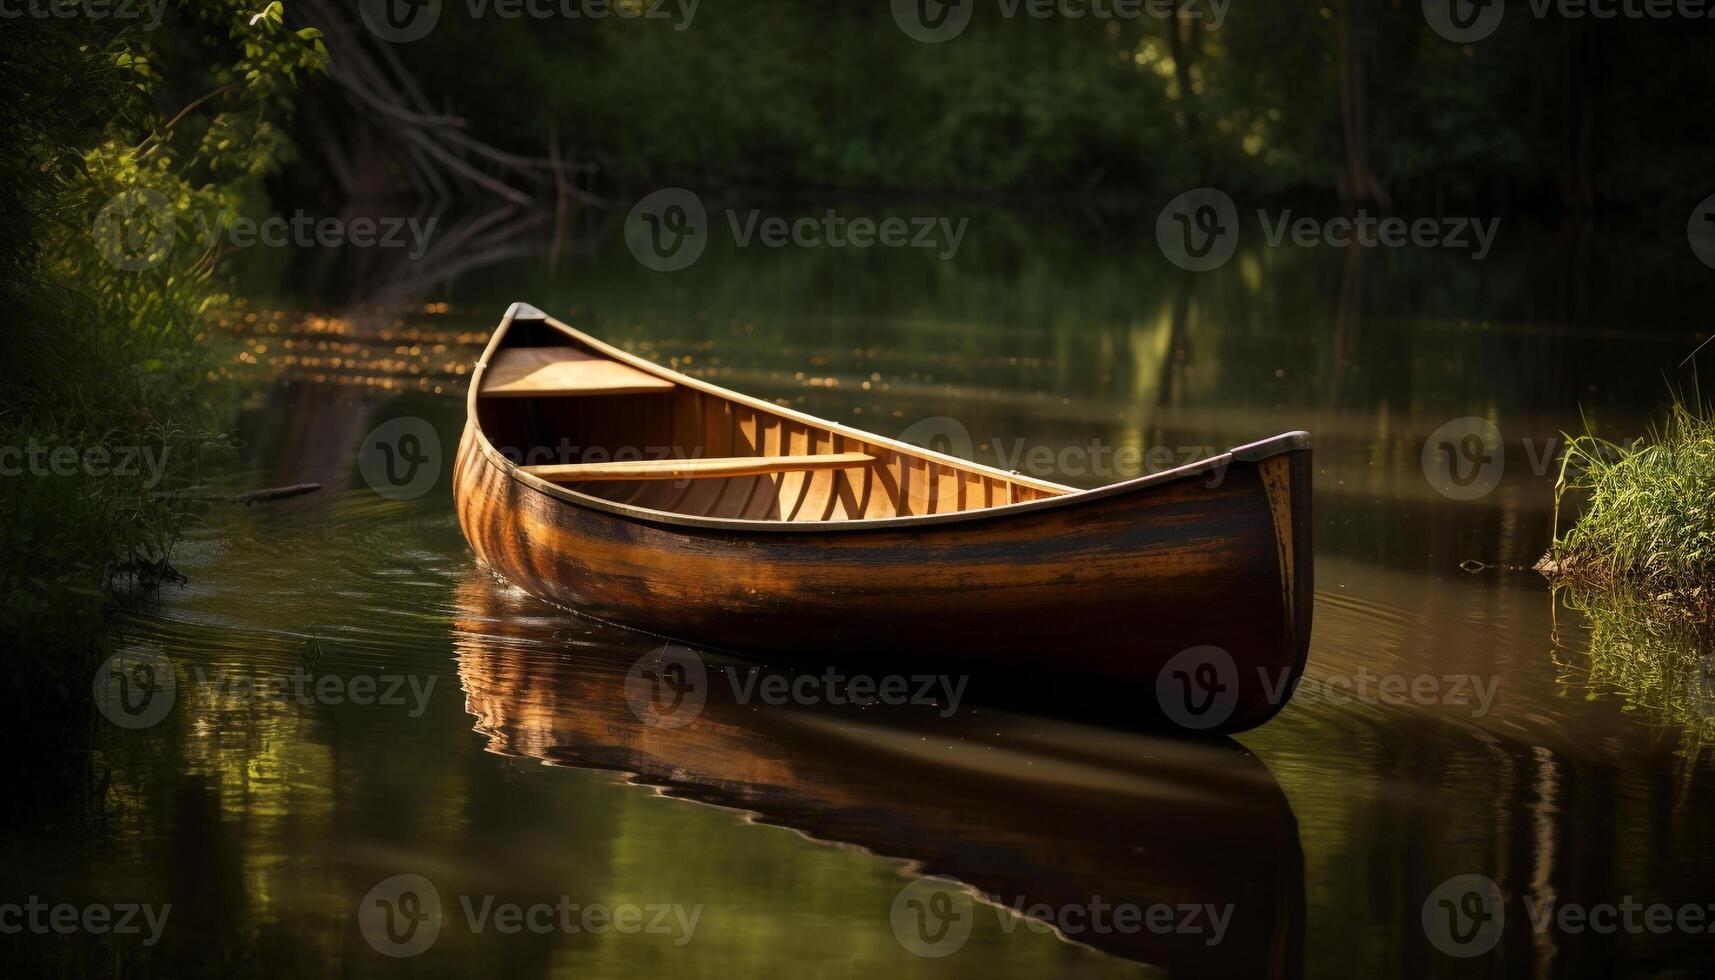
point(1647, 525)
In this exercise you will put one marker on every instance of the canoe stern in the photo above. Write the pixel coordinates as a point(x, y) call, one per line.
point(1285, 471)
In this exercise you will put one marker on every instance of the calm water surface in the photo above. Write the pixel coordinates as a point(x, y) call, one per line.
point(1514, 747)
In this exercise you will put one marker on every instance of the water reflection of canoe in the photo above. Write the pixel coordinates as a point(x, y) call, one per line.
point(769, 531)
point(1023, 810)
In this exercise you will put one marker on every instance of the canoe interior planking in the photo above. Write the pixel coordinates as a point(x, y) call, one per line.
point(556, 408)
point(688, 469)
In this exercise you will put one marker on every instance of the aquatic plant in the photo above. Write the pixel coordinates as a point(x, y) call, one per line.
point(1647, 525)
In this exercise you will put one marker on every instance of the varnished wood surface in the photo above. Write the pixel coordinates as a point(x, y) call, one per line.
point(536, 372)
point(1065, 597)
point(687, 422)
point(686, 469)
point(560, 426)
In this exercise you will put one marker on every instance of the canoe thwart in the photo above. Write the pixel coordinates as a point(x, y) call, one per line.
point(685, 469)
point(545, 372)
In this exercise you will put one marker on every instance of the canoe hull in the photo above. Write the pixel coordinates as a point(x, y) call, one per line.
point(1085, 606)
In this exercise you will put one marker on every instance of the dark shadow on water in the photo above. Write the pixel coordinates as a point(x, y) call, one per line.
point(1025, 811)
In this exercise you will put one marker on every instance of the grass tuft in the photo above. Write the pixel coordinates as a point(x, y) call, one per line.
point(1647, 526)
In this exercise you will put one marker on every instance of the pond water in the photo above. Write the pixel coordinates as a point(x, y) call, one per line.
point(1452, 722)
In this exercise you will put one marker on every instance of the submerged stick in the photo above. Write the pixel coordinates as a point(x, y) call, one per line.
point(271, 493)
point(252, 496)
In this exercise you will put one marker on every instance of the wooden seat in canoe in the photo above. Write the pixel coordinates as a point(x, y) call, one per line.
point(545, 372)
point(704, 451)
point(685, 469)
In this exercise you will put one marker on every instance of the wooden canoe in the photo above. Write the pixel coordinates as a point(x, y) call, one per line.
point(767, 532)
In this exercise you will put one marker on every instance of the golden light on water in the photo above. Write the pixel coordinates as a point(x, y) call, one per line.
point(384, 353)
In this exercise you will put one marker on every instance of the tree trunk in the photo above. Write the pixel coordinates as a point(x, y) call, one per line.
point(1182, 41)
point(1358, 184)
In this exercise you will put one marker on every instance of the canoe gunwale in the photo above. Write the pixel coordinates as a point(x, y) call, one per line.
point(1066, 496)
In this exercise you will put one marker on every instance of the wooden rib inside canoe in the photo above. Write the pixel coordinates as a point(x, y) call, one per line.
point(684, 469)
point(545, 394)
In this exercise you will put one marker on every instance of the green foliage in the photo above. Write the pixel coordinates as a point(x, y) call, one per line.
point(1648, 524)
point(102, 346)
point(824, 94)
point(834, 94)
